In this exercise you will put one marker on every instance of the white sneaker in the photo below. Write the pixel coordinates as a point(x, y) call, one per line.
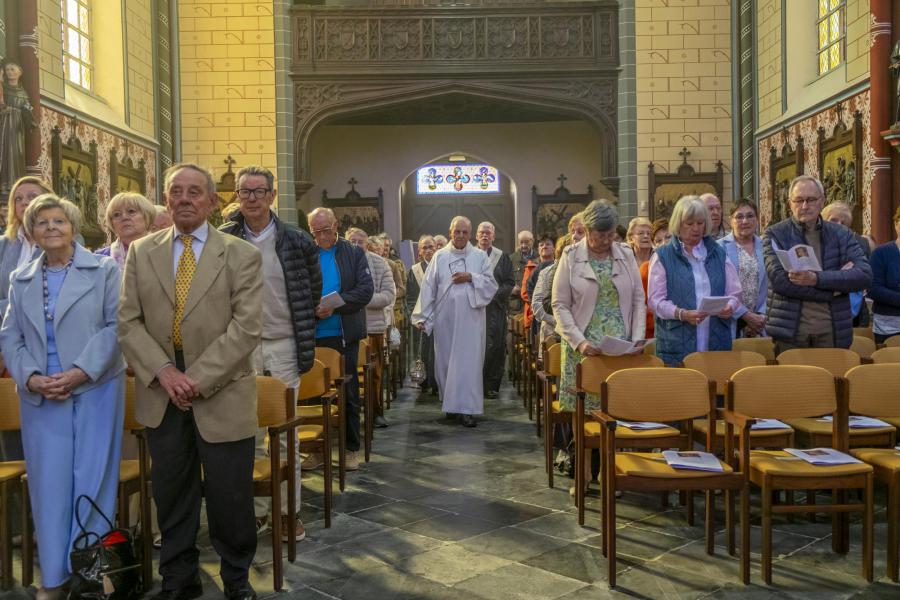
point(352, 461)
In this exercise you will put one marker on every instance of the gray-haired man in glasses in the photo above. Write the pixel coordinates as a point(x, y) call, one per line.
point(806, 308)
point(292, 287)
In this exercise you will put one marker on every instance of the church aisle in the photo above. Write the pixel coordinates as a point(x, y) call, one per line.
point(446, 512)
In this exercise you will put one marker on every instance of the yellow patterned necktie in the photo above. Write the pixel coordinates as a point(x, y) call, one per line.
point(187, 264)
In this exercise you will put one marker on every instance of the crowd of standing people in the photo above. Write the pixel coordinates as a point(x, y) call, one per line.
point(195, 313)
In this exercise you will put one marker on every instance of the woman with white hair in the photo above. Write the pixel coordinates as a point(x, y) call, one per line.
point(691, 267)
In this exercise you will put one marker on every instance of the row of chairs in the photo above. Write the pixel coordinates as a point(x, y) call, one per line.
point(278, 411)
point(718, 367)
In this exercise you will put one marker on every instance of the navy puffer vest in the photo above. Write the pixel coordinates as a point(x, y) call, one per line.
point(676, 339)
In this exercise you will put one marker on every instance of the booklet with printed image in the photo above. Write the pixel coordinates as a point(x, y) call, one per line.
point(693, 460)
point(823, 457)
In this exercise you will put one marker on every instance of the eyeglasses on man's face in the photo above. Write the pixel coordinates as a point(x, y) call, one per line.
point(808, 200)
point(258, 193)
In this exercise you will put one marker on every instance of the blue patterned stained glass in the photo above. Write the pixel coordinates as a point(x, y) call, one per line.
point(458, 179)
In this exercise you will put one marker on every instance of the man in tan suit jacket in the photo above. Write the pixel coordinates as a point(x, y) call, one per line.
point(197, 398)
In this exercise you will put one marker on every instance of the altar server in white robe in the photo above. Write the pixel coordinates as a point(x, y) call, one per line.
point(458, 285)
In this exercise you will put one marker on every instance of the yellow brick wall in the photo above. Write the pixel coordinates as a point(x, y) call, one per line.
point(858, 24)
point(683, 68)
point(50, 49)
point(138, 21)
point(768, 37)
point(227, 83)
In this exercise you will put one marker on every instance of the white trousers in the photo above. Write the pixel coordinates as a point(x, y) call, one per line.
point(278, 359)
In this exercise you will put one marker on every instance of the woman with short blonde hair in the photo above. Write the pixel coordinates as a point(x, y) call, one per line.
point(638, 237)
point(128, 217)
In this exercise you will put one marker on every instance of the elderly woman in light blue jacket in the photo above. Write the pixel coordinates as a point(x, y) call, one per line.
point(743, 246)
point(59, 340)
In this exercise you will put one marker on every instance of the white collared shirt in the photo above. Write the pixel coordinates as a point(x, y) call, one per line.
point(26, 253)
point(263, 235)
point(200, 234)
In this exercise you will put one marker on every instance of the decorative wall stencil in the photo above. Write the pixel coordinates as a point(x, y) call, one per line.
point(808, 130)
point(108, 145)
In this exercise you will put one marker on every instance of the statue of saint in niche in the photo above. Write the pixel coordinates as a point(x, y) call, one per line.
point(15, 118)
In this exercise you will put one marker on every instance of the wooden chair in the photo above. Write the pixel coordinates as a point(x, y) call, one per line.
point(874, 391)
point(864, 346)
point(315, 437)
point(886, 355)
point(814, 432)
point(531, 369)
point(276, 412)
point(789, 393)
point(11, 473)
point(718, 367)
point(892, 342)
point(650, 348)
point(134, 478)
point(553, 415)
point(334, 362)
point(666, 395)
point(364, 367)
point(589, 374)
point(760, 345)
point(865, 332)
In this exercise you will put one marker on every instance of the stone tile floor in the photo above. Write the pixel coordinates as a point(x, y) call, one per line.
point(445, 512)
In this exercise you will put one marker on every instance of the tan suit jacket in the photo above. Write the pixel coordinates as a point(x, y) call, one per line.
point(221, 327)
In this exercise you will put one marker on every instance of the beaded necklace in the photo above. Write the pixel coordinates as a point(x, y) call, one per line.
point(47, 314)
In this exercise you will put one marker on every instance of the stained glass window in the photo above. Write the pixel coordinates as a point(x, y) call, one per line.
point(832, 28)
point(458, 179)
point(77, 59)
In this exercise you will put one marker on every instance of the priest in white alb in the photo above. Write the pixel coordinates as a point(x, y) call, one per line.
point(458, 285)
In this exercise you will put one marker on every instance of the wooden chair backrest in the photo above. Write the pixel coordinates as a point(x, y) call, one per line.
point(552, 360)
point(886, 355)
point(315, 382)
point(592, 371)
point(865, 332)
point(363, 357)
point(273, 404)
point(863, 346)
point(657, 394)
point(760, 345)
point(720, 366)
point(650, 348)
point(836, 360)
point(130, 421)
point(893, 341)
point(874, 390)
point(332, 359)
point(783, 391)
point(10, 419)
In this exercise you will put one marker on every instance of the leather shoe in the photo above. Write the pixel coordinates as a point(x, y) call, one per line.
point(468, 421)
point(245, 592)
point(188, 592)
point(491, 395)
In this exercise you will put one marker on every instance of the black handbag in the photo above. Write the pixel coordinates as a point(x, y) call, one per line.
point(104, 566)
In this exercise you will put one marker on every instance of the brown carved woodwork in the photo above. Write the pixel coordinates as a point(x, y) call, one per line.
point(356, 210)
point(784, 166)
point(551, 212)
point(74, 172)
point(840, 161)
point(553, 57)
point(664, 189)
point(125, 175)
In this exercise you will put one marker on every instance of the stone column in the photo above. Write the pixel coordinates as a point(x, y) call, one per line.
point(744, 31)
point(881, 92)
point(165, 107)
point(31, 81)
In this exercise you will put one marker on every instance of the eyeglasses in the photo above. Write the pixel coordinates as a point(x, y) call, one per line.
point(809, 200)
point(258, 193)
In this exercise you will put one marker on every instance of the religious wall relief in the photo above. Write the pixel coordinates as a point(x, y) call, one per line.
point(551, 212)
point(665, 189)
point(356, 210)
point(839, 165)
point(75, 178)
point(785, 165)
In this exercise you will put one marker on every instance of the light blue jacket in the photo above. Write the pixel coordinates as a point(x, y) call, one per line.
point(731, 250)
point(84, 323)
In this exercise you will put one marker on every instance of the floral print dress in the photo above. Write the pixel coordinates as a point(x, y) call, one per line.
point(606, 320)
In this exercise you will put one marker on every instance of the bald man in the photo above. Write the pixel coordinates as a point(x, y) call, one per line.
point(457, 287)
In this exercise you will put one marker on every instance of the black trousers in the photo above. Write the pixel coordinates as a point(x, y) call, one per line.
point(349, 351)
point(179, 453)
point(494, 349)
